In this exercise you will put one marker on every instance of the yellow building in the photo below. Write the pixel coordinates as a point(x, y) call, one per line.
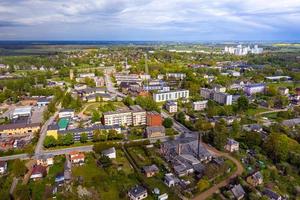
point(52, 131)
point(19, 129)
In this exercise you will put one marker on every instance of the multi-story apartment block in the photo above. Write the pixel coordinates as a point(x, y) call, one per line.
point(170, 95)
point(199, 105)
point(171, 106)
point(223, 98)
point(254, 88)
point(138, 115)
point(176, 75)
point(220, 97)
point(120, 117)
point(206, 93)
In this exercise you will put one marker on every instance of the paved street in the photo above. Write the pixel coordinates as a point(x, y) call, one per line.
point(13, 157)
point(110, 87)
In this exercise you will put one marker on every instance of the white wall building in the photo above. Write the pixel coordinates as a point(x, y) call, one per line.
point(170, 95)
point(172, 107)
point(199, 105)
point(138, 115)
point(121, 117)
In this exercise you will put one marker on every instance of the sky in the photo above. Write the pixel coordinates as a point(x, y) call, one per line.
point(152, 20)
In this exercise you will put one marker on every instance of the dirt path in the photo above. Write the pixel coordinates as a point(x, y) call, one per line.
point(215, 188)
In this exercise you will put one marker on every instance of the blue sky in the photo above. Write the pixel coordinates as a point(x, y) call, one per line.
point(187, 20)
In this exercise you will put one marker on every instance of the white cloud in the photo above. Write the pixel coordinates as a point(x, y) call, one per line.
point(189, 15)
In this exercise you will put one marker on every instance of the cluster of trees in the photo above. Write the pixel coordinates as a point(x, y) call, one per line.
point(62, 140)
point(147, 103)
point(103, 135)
point(281, 148)
point(70, 102)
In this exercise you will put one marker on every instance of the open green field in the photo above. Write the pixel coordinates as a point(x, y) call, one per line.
point(109, 183)
point(256, 111)
point(284, 84)
point(88, 108)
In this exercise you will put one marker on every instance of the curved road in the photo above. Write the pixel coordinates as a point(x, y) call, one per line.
point(215, 188)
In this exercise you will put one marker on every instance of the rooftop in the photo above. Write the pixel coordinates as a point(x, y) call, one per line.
point(137, 191)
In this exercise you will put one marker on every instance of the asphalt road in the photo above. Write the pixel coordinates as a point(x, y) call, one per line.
point(13, 157)
point(110, 87)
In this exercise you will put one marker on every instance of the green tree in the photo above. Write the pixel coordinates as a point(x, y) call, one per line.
point(220, 134)
point(96, 116)
point(83, 138)
point(203, 184)
point(253, 139)
point(50, 141)
point(168, 123)
point(128, 101)
point(18, 168)
point(243, 103)
point(105, 161)
point(69, 139)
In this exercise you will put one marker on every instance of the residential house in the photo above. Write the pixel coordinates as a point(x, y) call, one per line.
point(77, 157)
point(255, 179)
point(170, 180)
point(59, 179)
point(3, 167)
point(271, 194)
point(238, 192)
point(231, 145)
point(137, 193)
point(283, 91)
point(155, 131)
point(45, 160)
point(150, 170)
point(171, 106)
point(111, 153)
point(38, 172)
point(80, 87)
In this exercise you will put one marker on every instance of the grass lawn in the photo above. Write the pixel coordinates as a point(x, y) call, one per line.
point(139, 155)
point(110, 183)
point(284, 84)
point(95, 105)
point(252, 112)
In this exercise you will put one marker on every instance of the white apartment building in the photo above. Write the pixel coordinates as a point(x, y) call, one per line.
point(223, 98)
point(176, 75)
point(199, 105)
point(121, 117)
point(170, 95)
point(171, 107)
point(138, 115)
